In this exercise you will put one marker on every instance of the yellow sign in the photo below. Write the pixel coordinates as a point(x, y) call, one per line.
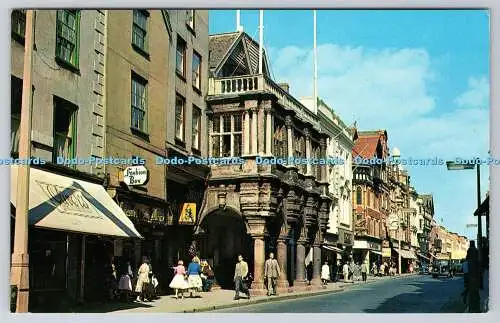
point(188, 214)
point(386, 252)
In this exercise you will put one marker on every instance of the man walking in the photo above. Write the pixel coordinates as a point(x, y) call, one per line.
point(364, 270)
point(271, 273)
point(240, 273)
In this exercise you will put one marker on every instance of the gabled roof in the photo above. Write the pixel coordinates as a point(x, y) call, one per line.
point(367, 143)
point(234, 49)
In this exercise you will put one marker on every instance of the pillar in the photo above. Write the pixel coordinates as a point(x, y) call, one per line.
point(254, 132)
point(246, 130)
point(308, 153)
point(258, 287)
point(282, 261)
point(260, 131)
point(269, 132)
point(210, 139)
point(323, 155)
point(316, 277)
point(289, 132)
point(300, 278)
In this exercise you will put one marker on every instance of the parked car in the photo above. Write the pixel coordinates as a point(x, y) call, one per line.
point(441, 268)
point(424, 270)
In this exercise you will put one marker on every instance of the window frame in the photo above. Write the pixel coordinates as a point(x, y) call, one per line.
point(196, 86)
point(182, 138)
point(60, 103)
point(191, 23)
point(73, 63)
point(218, 136)
point(18, 16)
point(136, 78)
point(196, 127)
point(181, 74)
point(145, 30)
point(359, 196)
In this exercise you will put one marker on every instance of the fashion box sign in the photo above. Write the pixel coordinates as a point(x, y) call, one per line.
point(135, 175)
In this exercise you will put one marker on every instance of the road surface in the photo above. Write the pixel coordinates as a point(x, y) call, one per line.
point(414, 294)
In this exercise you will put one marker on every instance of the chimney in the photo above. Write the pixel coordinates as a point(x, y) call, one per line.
point(285, 86)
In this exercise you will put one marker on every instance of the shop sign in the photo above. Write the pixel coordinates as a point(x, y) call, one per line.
point(386, 252)
point(374, 246)
point(188, 214)
point(135, 175)
point(345, 237)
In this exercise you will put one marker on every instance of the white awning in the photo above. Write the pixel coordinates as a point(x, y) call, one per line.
point(332, 248)
point(376, 252)
point(406, 254)
point(422, 256)
point(67, 204)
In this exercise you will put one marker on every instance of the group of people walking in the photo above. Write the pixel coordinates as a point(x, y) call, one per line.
point(198, 276)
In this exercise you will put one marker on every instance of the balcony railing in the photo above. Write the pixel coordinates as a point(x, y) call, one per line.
point(261, 83)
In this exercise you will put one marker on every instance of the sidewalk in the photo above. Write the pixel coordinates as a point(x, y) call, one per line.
point(221, 299)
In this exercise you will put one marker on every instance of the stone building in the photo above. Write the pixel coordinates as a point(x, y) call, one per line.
point(339, 239)
point(254, 208)
point(71, 215)
point(187, 131)
point(135, 79)
point(370, 196)
point(427, 210)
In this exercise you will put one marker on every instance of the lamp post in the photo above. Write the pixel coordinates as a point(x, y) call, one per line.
point(20, 259)
point(450, 165)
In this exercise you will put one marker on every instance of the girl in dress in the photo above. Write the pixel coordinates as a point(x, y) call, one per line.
point(194, 279)
point(179, 283)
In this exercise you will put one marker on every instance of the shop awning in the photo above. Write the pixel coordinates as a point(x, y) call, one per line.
point(422, 256)
point(376, 252)
point(406, 254)
point(332, 248)
point(63, 203)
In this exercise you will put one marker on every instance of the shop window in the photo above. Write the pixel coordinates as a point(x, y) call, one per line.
point(65, 126)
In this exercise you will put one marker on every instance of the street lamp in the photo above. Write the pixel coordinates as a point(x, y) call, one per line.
point(451, 165)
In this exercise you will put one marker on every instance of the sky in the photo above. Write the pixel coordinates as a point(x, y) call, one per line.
point(422, 75)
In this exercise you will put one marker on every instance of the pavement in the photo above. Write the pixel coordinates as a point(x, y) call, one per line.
point(223, 299)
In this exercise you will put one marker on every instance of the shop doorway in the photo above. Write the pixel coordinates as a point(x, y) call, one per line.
point(225, 236)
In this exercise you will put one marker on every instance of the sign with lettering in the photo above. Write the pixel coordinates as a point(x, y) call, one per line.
point(188, 214)
point(386, 252)
point(135, 175)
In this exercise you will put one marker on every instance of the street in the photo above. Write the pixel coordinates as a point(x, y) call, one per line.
point(416, 294)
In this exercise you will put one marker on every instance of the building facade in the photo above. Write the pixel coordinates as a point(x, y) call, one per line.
point(370, 196)
point(253, 207)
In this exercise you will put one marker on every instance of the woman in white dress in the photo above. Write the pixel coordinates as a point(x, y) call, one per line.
point(179, 283)
point(325, 273)
point(194, 278)
point(142, 278)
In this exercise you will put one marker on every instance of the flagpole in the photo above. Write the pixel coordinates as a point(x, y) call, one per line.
point(20, 260)
point(261, 38)
point(238, 21)
point(315, 84)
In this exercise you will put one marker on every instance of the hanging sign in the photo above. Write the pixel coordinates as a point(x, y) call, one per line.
point(188, 214)
point(135, 175)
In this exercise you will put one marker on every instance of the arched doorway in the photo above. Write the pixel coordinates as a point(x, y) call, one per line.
point(224, 237)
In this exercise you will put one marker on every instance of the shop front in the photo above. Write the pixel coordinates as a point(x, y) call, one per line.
point(346, 242)
point(408, 258)
point(72, 225)
point(365, 251)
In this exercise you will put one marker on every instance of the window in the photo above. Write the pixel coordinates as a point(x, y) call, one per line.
point(359, 196)
point(16, 97)
point(190, 19)
point(140, 30)
point(300, 152)
point(196, 70)
point(180, 60)
point(139, 103)
point(196, 130)
point(280, 144)
point(18, 20)
point(226, 135)
point(179, 117)
point(64, 129)
point(359, 216)
point(68, 36)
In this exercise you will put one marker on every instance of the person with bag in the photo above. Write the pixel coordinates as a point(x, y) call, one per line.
point(142, 278)
point(240, 274)
point(179, 282)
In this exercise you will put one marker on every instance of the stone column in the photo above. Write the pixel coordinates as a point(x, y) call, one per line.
point(246, 131)
point(269, 132)
point(257, 227)
point(254, 132)
point(289, 132)
point(260, 131)
point(308, 152)
point(210, 139)
point(300, 279)
point(316, 277)
point(283, 285)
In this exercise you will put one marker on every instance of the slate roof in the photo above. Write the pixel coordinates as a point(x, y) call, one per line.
point(219, 44)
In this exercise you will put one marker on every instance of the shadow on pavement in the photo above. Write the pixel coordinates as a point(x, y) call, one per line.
point(409, 303)
point(105, 307)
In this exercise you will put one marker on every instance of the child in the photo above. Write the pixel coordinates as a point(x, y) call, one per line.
point(179, 283)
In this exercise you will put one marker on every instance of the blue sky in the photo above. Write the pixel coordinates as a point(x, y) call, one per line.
point(423, 75)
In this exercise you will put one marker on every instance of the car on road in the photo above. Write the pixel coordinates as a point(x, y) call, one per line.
point(424, 270)
point(440, 268)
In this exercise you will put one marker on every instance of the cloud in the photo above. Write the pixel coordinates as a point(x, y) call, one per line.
point(477, 95)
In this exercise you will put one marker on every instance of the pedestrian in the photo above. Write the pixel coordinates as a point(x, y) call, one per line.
point(179, 283)
point(142, 278)
point(325, 273)
point(271, 274)
point(207, 276)
point(345, 272)
point(125, 283)
point(240, 274)
point(309, 272)
point(364, 270)
point(473, 270)
point(194, 279)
